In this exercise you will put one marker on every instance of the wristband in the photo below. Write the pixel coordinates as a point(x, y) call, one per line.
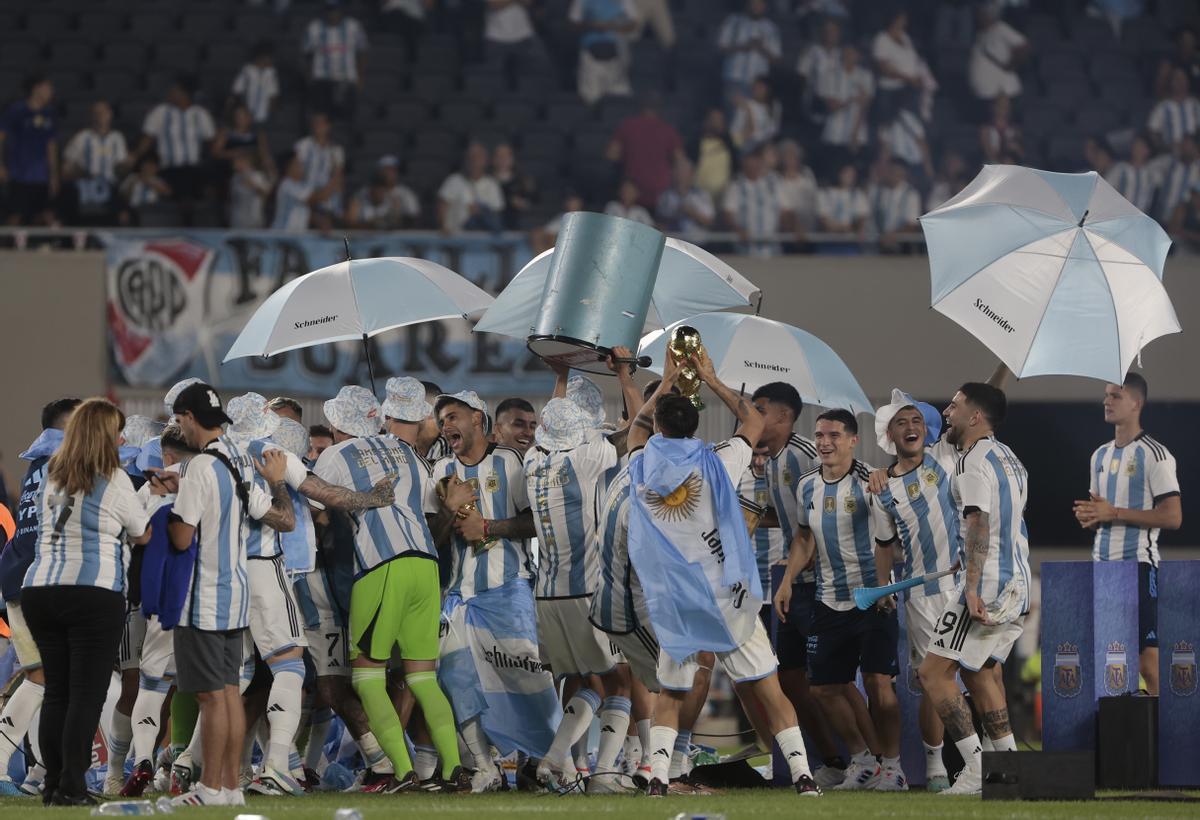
point(485, 529)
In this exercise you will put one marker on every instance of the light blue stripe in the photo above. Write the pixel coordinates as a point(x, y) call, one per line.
point(1110, 493)
point(89, 526)
point(226, 557)
point(1137, 501)
point(369, 519)
point(860, 525)
point(831, 542)
point(1006, 515)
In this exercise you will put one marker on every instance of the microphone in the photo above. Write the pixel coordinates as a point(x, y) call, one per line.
point(640, 361)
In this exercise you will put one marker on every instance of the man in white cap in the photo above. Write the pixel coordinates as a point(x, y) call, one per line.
point(395, 599)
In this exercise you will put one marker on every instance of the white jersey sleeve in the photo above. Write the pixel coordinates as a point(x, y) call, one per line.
point(736, 455)
point(883, 526)
point(128, 507)
point(975, 486)
point(195, 488)
point(1162, 477)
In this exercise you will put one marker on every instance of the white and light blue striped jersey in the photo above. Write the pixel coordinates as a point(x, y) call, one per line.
point(744, 66)
point(618, 605)
point(905, 137)
point(843, 206)
point(839, 516)
point(1138, 185)
point(1134, 477)
point(1179, 179)
point(258, 86)
point(98, 155)
point(386, 532)
point(769, 546)
point(499, 482)
point(918, 508)
point(852, 90)
point(218, 598)
point(180, 133)
point(291, 206)
point(783, 473)
point(815, 61)
point(1173, 120)
point(334, 49)
point(991, 479)
point(262, 541)
point(319, 161)
point(756, 207)
point(314, 596)
point(81, 537)
point(896, 207)
point(562, 490)
point(674, 211)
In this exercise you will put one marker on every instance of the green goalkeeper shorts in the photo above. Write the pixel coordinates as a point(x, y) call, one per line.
point(397, 603)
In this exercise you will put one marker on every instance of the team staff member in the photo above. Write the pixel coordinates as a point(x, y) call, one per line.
point(1134, 494)
point(74, 594)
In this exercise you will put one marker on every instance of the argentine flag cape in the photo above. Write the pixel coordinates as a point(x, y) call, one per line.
point(689, 545)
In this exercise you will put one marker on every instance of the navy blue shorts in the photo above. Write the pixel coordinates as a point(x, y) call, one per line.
point(790, 637)
point(841, 643)
point(1147, 606)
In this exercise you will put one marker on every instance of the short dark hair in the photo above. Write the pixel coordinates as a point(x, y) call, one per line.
point(54, 413)
point(172, 439)
point(844, 416)
point(1137, 383)
point(431, 388)
point(186, 83)
point(676, 416)
point(288, 402)
point(781, 393)
point(319, 430)
point(649, 389)
point(443, 401)
point(990, 400)
point(513, 404)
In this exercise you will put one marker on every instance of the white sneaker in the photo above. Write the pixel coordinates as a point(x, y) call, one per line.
point(234, 797)
point(937, 783)
point(610, 783)
point(271, 781)
point(968, 783)
point(485, 780)
point(114, 781)
point(860, 776)
point(200, 796)
point(891, 780)
point(828, 776)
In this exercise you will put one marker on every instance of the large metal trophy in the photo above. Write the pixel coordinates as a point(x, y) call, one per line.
point(685, 343)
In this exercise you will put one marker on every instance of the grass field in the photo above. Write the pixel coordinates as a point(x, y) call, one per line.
point(751, 805)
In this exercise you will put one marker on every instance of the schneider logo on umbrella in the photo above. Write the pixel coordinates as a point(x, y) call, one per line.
point(995, 317)
point(321, 321)
point(763, 366)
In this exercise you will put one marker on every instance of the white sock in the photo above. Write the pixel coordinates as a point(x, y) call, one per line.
point(890, 763)
point(424, 761)
point(248, 740)
point(683, 742)
point(212, 797)
point(314, 755)
point(17, 717)
point(791, 746)
point(577, 717)
point(233, 797)
point(934, 767)
point(971, 751)
point(283, 709)
point(985, 743)
point(579, 751)
point(477, 743)
point(1008, 743)
point(865, 758)
point(194, 753)
point(120, 733)
point(632, 750)
point(643, 730)
point(147, 711)
point(614, 723)
point(376, 759)
point(662, 742)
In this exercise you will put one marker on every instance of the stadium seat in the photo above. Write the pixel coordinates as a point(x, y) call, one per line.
point(548, 143)
point(124, 54)
point(432, 87)
point(226, 55)
point(513, 114)
point(20, 54)
point(461, 116)
point(69, 54)
point(177, 56)
point(46, 23)
point(379, 142)
point(1097, 120)
point(570, 113)
point(408, 114)
point(115, 84)
point(159, 215)
point(151, 24)
point(204, 23)
point(484, 86)
point(435, 142)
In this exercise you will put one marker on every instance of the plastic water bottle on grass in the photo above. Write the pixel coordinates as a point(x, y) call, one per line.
point(123, 808)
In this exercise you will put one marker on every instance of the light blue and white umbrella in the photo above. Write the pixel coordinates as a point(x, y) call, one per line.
point(1055, 273)
point(753, 351)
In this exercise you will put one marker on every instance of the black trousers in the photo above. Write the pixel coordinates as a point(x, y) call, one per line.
point(78, 632)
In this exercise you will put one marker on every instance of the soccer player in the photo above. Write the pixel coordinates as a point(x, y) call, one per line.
point(833, 518)
point(395, 600)
point(515, 423)
point(979, 627)
point(689, 543)
point(916, 511)
point(1133, 495)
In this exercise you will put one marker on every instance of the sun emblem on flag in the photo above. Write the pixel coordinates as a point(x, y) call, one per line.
point(678, 504)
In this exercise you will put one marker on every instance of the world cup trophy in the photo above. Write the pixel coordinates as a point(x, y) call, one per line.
point(685, 343)
point(443, 486)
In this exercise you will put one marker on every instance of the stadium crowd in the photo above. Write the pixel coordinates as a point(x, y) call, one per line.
point(831, 121)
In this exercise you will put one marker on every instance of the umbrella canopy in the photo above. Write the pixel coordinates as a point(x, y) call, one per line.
point(690, 280)
point(356, 299)
point(753, 351)
point(1055, 273)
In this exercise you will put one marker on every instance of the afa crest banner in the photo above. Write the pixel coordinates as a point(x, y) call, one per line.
point(1178, 699)
point(176, 301)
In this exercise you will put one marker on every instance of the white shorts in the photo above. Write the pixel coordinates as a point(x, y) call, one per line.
point(158, 651)
point(22, 639)
point(274, 617)
point(971, 643)
point(130, 654)
point(327, 648)
point(921, 615)
point(567, 641)
point(639, 649)
point(753, 660)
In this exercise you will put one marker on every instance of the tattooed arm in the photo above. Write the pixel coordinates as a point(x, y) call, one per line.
point(976, 543)
point(750, 421)
point(343, 498)
point(642, 426)
point(282, 516)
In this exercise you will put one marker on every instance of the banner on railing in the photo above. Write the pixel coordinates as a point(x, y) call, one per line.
point(176, 302)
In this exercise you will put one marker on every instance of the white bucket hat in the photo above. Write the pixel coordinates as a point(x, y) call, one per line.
point(251, 418)
point(900, 400)
point(292, 436)
point(355, 411)
point(584, 392)
point(140, 429)
point(406, 400)
point(564, 425)
point(173, 393)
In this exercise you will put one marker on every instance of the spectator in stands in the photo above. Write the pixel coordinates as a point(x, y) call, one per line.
point(338, 47)
point(29, 155)
point(896, 206)
point(656, 14)
point(1098, 155)
point(143, 188)
point(372, 209)
point(751, 44)
point(1176, 117)
point(626, 204)
point(845, 93)
point(646, 145)
point(249, 187)
point(797, 190)
point(295, 197)
point(997, 53)
point(520, 190)
point(1137, 180)
point(685, 209)
point(406, 18)
point(753, 208)
point(712, 154)
point(1186, 57)
point(756, 118)
point(820, 57)
point(951, 178)
point(1000, 137)
point(510, 43)
point(1182, 173)
point(903, 76)
point(180, 132)
point(1188, 227)
point(93, 161)
point(324, 164)
point(543, 238)
point(470, 199)
point(843, 209)
point(603, 49)
point(257, 84)
point(904, 139)
point(405, 201)
point(239, 136)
